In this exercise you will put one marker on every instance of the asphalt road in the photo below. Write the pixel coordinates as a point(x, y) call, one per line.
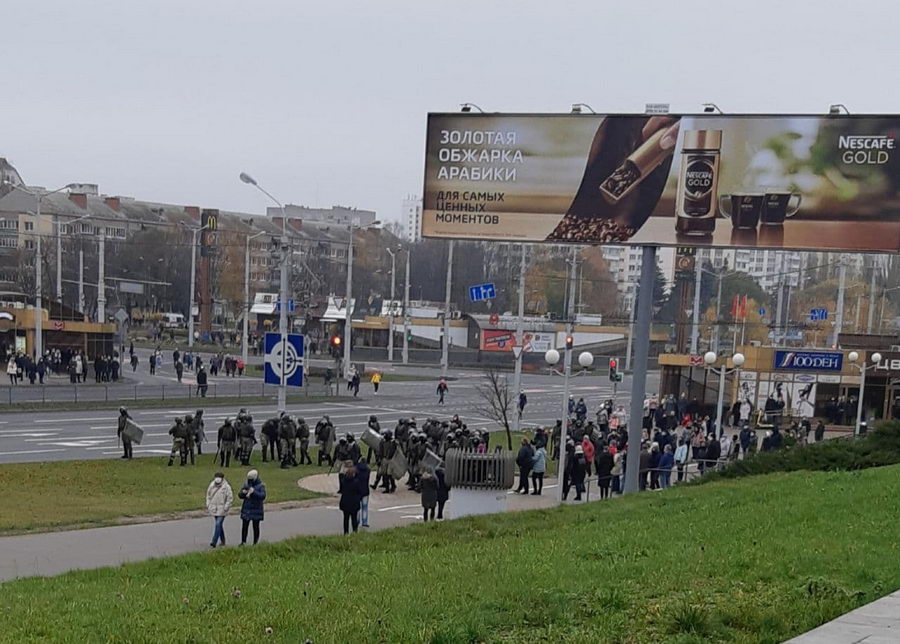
point(65, 435)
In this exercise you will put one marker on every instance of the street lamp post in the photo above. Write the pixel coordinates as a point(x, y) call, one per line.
point(283, 297)
point(393, 255)
point(585, 359)
point(710, 359)
point(862, 368)
point(406, 310)
point(245, 331)
point(348, 313)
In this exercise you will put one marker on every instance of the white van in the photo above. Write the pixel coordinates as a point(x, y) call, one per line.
point(173, 320)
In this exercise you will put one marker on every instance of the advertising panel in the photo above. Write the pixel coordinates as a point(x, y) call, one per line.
point(817, 182)
point(503, 340)
point(809, 360)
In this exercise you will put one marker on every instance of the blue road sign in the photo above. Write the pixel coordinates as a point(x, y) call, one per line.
point(818, 314)
point(284, 360)
point(481, 292)
point(291, 307)
point(762, 312)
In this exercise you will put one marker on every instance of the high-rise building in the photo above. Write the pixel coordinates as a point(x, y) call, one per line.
point(411, 216)
point(625, 267)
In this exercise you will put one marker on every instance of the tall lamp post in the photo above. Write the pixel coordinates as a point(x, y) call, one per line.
point(245, 331)
point(393, 255)
point(283, 291)
point(710, 359)
point(585, 359)
point(38, 277)
point(406, 317)
point(862, 368)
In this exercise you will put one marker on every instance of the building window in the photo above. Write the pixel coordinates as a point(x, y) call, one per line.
point(29, 244)
point(29, 225)
point(8, 242)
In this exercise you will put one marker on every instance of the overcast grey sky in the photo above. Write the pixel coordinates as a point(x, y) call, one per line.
point(325, 102)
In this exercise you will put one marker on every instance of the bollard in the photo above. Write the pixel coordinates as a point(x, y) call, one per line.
point(135, 392)
point(105, 393)
point(163, 392)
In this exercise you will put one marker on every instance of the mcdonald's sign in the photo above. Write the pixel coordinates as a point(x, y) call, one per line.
point(209, 221)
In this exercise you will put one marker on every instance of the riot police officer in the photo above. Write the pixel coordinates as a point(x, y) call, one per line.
point(126, 442)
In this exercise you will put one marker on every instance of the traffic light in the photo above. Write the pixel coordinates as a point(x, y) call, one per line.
point(409, 336)
point(613, 370)
point(570, 342)
point(336, 341)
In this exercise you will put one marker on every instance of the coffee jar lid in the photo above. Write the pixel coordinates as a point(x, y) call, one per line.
point(703, 139)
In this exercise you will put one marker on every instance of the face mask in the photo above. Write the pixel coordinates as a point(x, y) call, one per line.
point(218, 480)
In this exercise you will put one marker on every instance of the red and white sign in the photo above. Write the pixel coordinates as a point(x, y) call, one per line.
point(58, 325)
point(494, 319)
point(696, 361)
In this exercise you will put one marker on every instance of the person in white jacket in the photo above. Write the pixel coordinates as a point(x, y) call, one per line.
point(219, 497)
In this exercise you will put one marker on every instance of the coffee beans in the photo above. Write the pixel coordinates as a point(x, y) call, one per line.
point(620, 180)
point(575, 229)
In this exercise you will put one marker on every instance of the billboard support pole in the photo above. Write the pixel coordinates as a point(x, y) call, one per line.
point(520, 338)
point(839, 309)
point(639, 375)
point(695, 325)
point(445, 344)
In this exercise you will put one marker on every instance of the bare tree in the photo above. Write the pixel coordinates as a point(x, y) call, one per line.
point(496, 400)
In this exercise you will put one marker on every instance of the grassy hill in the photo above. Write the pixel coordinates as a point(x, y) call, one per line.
point(752, 560)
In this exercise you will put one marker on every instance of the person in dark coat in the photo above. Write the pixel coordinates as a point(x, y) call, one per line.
point(524, 460)
point(820, 431)
point(253, 492)
point(201, 382)
point(443, 491)
point(351, 496)
point(362, 474)
point(578, 471)
point(428, 488)
point(605, 463)
point(645, 465)
point(713, 452)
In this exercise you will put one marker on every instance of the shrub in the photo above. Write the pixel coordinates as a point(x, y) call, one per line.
point(877, 448)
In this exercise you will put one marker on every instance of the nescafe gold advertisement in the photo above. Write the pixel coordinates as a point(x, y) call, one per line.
point(797, 182)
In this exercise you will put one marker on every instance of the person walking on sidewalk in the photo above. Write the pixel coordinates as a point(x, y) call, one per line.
point(253, 492)
point(219, 498)
point(442, 391)
point(376, 380)
point(349, 487)
point(538, 467)
point(443, 491)
point(201, 381)
point(524, 460)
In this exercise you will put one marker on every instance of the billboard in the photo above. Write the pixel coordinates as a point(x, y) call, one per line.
point(809, 360)
point(800, 182)
point(504, 340)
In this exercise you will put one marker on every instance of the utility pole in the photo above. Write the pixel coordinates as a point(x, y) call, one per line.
point(871, 300)
point(38, 306)
point(777, 334)
point(81, 275)
point(348, 313)
point(445, 345)
point(698, 278)
point(567, 369)
point(718, 310)
point(406, 310)
point(520, 340)
point(839, 309)
point(630, 337)
point(101, 279)
point(391, 307)
point(59, 291)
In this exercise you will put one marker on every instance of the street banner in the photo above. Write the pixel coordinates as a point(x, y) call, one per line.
point(797, 182)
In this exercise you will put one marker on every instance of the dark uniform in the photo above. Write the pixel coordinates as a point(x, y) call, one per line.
point(386, 452)
point(269, 439)
point(246, 437)
point(303, 435)
point(325, 440)
point(287, 433)
point(126, 442)
point(179, 433)
point(198, 431)
point(225, 443)
point(189, 436)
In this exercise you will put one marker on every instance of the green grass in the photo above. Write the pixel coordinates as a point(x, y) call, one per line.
point(50, 496)
point(754, 560)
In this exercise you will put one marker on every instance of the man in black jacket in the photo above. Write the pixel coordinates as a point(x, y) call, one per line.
point(524, 460)
point(225, 443)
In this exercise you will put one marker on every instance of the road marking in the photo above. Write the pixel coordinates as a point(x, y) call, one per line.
point(69, 420)
point(32, 451)
point(398, 507)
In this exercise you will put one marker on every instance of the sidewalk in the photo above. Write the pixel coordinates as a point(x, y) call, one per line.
point(54, 553)
point(875, 623)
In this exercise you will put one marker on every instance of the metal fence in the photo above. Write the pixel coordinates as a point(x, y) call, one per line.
point(114, 392)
